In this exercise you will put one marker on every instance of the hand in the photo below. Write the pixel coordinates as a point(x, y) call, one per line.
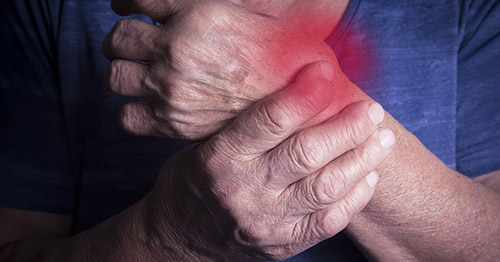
point(209, 62)
point(259, 191)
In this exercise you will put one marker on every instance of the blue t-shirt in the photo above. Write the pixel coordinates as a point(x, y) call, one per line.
point(433, 64)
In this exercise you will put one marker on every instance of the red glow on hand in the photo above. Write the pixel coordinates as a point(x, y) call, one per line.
point(292, 54)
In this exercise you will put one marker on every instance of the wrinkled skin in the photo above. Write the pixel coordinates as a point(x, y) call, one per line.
point(261, 192)
point(408, 178)
point(207, 64)
point(262, 186)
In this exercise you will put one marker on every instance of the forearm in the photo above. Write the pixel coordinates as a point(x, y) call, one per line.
point(423, 210)
point(120, 238)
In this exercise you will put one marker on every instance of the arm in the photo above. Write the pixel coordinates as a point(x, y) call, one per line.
point(123, 237)
point(249, 193)
point(424, 210)
point(422, 203)
point(39, 236)
point(16, 224)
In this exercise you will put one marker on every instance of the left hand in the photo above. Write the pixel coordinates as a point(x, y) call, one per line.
point(263, 191)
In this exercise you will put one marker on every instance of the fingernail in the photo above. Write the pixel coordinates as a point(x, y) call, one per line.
point(327, 70)
point(387, 138)
point(372, 179)
point(376, 113)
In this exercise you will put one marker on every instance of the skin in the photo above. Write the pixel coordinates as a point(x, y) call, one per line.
point(402, 222)
point(490, 180)
point(181, 70)
point(302, 197)
point(317, 20)
point(420, 203)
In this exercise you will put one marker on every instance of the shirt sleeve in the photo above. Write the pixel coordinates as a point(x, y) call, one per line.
point(35, 167)
point(478, 91)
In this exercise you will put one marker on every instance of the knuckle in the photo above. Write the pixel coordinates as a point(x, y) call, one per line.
point(303, 154)
point(313, 196)
point(329, 189)
point(126, 79)
point(272, 119)
point(122, 30)
point(355, 130)
point(117, 72)
point(135, 119)
point(130, 30)
point(361, 159)
point(127, 120)
point(315, 224)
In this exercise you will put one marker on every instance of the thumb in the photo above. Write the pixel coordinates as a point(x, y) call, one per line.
point(272, 120)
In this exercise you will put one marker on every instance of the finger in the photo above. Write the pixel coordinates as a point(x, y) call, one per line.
point(273, 119)
point(159, 10)
point(334, 181)
point(311, 149)
point(128, 78)
point(131, 39)
point(327, 222)
point(138, 118)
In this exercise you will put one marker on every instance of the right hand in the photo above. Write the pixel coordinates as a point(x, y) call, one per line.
point(208, 63)
point(259, 190)
point(326, 13)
